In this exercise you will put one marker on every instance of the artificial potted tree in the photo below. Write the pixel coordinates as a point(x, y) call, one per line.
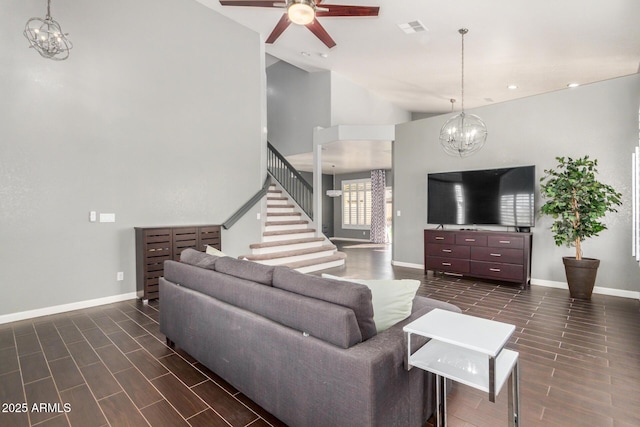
point(577, 201)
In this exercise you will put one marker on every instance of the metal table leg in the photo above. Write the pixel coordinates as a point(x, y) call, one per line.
point(441, 401)
point(513, 405)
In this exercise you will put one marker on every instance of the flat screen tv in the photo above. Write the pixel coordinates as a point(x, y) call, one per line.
point(482, 197)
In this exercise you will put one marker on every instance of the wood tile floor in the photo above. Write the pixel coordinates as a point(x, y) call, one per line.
point(580, 362)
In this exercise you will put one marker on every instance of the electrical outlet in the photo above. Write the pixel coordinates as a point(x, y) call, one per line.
point(120, 276)
point(93, 216)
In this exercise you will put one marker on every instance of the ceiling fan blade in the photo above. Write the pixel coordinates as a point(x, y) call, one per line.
point(252, 3)
point(321, 33)
point(282, 25)
point(340, 10)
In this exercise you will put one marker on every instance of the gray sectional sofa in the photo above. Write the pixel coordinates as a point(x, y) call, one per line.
point(302, 347)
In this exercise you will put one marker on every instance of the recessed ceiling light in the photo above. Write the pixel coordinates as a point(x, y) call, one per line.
point(305, 54)
point(324, 55)
point(512, 87)
point(573, 85)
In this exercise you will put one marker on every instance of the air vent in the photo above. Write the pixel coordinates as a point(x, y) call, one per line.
point(413, 27)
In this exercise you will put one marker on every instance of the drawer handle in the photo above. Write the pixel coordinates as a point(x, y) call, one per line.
point(469, 240)
point(496, 255)
point(446, 264)
point(505, 241)
point(497, 270)
point(447, 250)
point(439, 238)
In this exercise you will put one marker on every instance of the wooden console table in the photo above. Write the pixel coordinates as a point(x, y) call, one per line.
point(497, 255)
point(155, 245)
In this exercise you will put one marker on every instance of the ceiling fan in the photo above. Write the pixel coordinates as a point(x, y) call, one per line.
point(305, 12)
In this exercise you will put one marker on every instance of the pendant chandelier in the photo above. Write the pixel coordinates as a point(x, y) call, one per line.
point(463, 134)
point(46, 37)
point(334, 192)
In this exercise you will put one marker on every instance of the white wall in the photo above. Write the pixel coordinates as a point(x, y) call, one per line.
point(600, 120)
point(157, 116)
point(352, 104)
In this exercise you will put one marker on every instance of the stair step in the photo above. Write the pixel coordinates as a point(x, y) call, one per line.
point(285, 232)
point(286, 242)
point(292, 222)
point(317, 264)
point(279, 235)
point(285, 225)
point(277, 211)
point(276, 206)
point(277, 198)
point(286, 245)
point(283, 214)
point(279, 258)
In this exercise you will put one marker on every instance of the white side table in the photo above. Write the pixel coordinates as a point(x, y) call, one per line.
point(469, 350)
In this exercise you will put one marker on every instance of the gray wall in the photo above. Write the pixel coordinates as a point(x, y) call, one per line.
point(298, 102)
point(159, 124)
point(327, 202)
point(600, 120)
point(335, 101)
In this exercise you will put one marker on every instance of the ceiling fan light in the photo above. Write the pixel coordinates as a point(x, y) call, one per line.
point(301, 12)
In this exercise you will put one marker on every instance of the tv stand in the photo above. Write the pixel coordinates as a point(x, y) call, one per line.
point(495, 255)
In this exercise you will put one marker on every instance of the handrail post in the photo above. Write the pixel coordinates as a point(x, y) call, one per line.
point(317, 184)
point(290, 179)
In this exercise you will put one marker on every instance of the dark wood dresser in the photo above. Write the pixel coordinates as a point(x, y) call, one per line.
point(496, 255)
point(155, 245)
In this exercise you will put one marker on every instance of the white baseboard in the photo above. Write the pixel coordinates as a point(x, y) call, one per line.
point(596, 290)
point(550, 284)
point(13, 317)
point(349, 239)
point(407, 264)
point(616, 292)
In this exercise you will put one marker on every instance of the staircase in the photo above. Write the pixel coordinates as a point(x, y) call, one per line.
point(288, 240)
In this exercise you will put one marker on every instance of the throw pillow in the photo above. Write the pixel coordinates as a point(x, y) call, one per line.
point(213, 251)
point(392, 299)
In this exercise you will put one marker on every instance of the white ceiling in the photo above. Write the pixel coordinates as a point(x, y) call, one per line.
point(347, 157)
point(540, 46)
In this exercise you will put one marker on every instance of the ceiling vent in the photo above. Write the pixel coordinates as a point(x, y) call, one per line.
point(412, 27)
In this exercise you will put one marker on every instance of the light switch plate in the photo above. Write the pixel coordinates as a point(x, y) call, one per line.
point(107, 217)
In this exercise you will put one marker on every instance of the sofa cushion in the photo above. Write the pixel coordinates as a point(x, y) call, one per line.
point(392, 299)
point(247, 270)
point(355, 296)
point(332, 323)
point(199, 259)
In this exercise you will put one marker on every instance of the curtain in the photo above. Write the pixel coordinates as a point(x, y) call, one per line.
point(378, 215)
